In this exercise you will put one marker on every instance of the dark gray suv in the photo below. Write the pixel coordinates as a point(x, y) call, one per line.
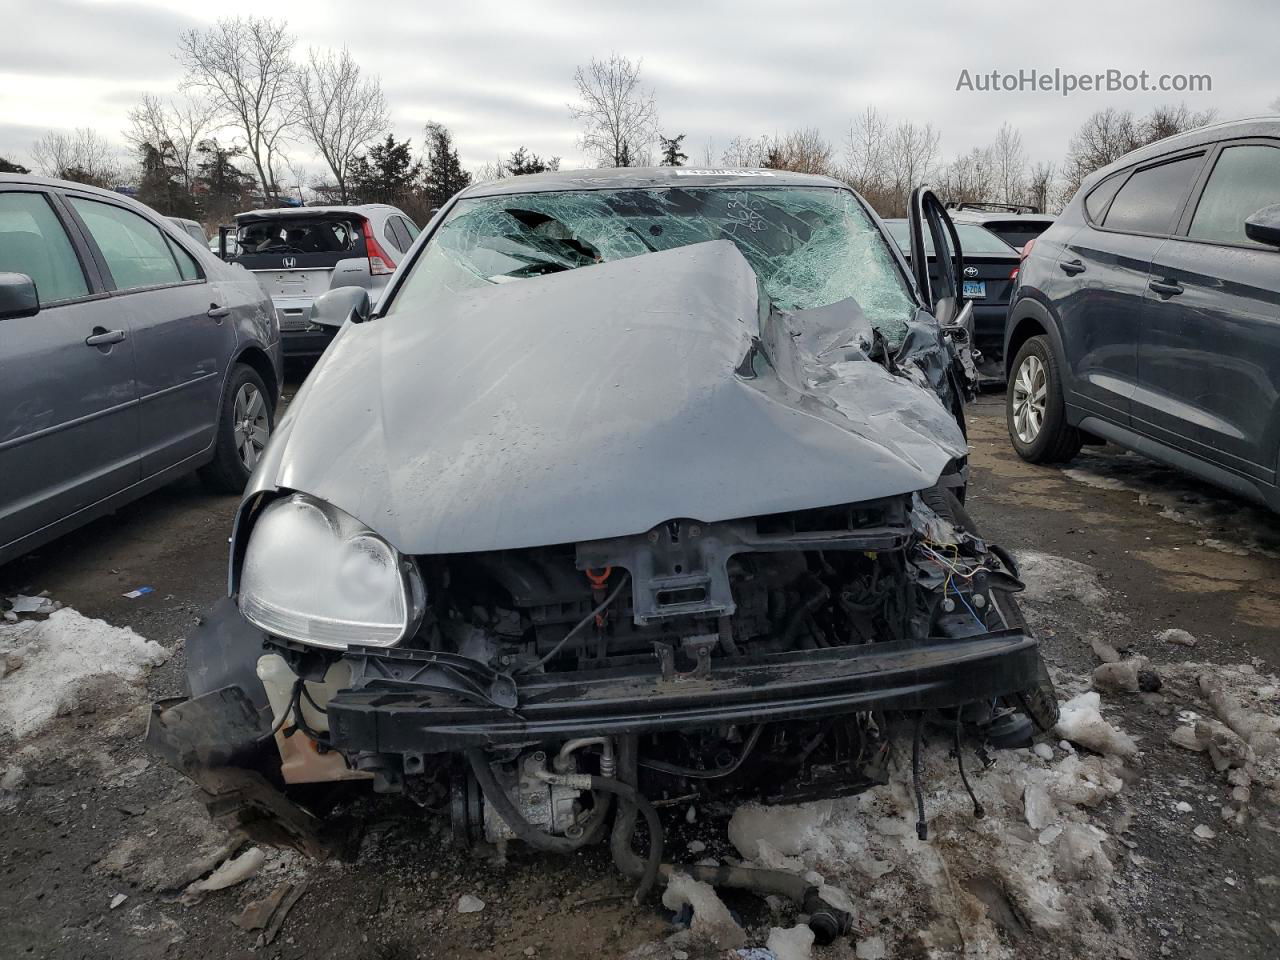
point(129, 355)
point(1149, 313)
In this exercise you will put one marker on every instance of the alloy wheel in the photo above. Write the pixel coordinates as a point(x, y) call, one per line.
point(1030, 395)
point(252, 428)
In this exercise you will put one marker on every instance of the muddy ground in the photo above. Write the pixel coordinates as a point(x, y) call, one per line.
point(1116, 550)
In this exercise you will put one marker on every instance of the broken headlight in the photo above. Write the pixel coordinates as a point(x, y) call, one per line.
point(316, 575)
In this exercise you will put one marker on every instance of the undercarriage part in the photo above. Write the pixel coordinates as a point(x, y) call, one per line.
point(922, 826)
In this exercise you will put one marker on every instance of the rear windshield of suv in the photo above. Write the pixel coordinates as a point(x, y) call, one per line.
point(308, 241)
point(1017, 233)
point(809, 246)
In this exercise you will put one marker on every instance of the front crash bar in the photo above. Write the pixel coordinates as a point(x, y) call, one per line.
point(400, 718)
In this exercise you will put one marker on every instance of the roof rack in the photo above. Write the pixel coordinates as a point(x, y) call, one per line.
point(994, 207)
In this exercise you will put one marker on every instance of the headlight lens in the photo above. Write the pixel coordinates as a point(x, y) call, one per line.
point(316, 575)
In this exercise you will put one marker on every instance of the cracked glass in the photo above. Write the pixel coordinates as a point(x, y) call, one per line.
point(809, 246)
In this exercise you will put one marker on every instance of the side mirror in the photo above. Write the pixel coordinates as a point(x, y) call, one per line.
point(341, 305)
point(18, 297)
point(1264, 226)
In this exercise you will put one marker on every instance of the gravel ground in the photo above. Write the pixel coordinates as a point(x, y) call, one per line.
point(1116, 549)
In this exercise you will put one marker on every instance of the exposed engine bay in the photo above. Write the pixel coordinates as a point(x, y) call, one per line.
point(583, 684)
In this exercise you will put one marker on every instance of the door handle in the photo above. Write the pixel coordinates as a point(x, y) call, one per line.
point(102, 337)
point(1166, 288)
point(1072, 267)
point(218, 312)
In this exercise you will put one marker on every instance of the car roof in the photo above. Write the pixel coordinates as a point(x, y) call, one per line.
point(38, 181)
point(360, 209)
point(639, 178)
point(1227, 129)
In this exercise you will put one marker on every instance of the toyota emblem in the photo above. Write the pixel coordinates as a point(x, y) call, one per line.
point(290, 262)
point(968, 271)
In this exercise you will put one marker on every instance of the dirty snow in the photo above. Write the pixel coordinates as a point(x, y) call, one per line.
point(962, 889)
point(59, 657)
point(1053, 579)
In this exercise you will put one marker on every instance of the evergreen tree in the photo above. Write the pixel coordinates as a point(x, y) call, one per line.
point(8, 166)
point(222, 186)
point(386, 174)
point(523, 161)
point(444, 176)
point(160, 184)
point(672, 155)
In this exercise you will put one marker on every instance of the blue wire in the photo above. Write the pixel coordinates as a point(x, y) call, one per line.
point(977, 618)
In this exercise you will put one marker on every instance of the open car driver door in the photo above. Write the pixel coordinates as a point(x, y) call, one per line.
point(937, 261)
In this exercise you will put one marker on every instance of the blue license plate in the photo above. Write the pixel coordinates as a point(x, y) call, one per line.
point(975, 289)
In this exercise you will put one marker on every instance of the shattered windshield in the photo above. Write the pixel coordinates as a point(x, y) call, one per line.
point(809, 246)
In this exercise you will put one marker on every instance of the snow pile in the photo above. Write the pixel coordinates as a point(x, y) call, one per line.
point(1051, 579)
point(712, 921)
point(1080, 721)
point(1235, 723)
point(51, 662)
point(1039, 864)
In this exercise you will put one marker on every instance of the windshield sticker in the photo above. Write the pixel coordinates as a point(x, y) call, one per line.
point(686, 172)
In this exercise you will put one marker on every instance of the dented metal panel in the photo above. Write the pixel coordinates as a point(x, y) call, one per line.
point(602, 401)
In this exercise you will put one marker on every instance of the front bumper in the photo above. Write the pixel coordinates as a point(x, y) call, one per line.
point(406, 716)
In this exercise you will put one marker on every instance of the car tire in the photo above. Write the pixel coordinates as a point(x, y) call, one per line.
point(247, 411)
point(1040, 702)
point(1034, 408)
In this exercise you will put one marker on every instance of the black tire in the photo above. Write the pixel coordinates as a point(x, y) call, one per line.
point(228, 472)
point(1039, 703)
point(1054, 440)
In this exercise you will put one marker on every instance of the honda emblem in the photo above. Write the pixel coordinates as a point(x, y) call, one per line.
point(290, 262)
point(968, 271)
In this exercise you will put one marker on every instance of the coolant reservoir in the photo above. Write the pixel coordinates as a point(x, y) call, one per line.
point(301, 761)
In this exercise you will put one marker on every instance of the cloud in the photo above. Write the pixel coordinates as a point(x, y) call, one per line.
point(501, 73)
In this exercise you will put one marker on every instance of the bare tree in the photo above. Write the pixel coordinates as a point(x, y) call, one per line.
point(1010, 164)
point(173, 129)
point(1109, 134)
point(913, 152)
point(1105, 136)
point(969, 177)
point(1168, 120)
point(618, 116)
point(245, 64)
point(746, 152)
point(82, 155)
point(866, 159)
point(800, 151)
point(1039, 191)
point(341, 112)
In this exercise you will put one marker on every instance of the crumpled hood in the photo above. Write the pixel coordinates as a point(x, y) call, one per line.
point(600, 402)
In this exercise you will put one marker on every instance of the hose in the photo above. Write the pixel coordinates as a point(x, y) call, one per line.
point(826, 922)
point(632, 799)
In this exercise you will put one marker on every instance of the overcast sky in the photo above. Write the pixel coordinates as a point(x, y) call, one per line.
point(499, 74)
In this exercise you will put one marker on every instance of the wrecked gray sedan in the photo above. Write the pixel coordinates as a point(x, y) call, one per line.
point(638, 485)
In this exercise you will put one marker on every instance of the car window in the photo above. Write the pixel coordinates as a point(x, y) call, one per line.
point(196, 233)
point(136, 252)
point(412, 228)
point(1095, 204)
point(187, 268)
point(1244, 180)
point(809, 246)
point(402, 232)
point(1151, 199)
point(974, 240)
point(389, 233)
point(32, 241)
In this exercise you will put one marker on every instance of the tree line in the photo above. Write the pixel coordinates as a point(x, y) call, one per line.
point(223, 142)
